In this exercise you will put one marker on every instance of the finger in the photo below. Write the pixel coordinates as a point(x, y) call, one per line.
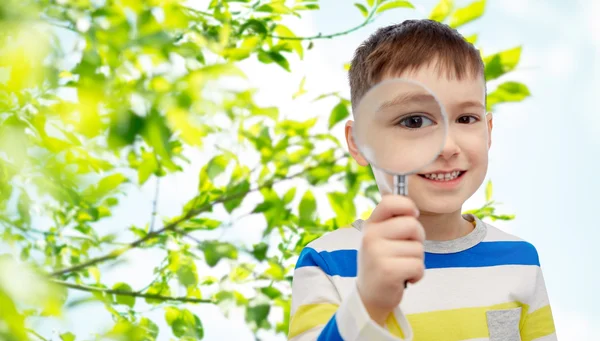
point(412, 269)
point(404, 249)
point(393, 206)
point(400, 228)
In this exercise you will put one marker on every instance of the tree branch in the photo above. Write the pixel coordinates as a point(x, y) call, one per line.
point(154, 204)
point(130, 293)
point(333, 35)
point(36, 334)
point(173, 225)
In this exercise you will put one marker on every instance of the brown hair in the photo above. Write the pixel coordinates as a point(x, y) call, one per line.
point(407, 46)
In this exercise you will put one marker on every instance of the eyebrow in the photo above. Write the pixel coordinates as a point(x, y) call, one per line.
point(406, 98)
point(470, 104)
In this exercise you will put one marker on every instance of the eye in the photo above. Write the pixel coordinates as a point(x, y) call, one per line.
point(467, 119)
point(415, 122)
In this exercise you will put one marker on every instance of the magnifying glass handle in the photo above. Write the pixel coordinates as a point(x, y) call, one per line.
point(401, 188)
point(400, 185)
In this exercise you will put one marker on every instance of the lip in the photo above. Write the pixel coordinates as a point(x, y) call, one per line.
point(443, 171)
point(452, 184)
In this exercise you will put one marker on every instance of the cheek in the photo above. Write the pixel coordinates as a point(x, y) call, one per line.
point(474, 145)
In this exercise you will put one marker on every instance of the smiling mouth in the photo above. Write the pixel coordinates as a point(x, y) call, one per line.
point(443, 176)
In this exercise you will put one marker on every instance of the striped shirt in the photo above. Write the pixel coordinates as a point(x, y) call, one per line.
point(487, 285)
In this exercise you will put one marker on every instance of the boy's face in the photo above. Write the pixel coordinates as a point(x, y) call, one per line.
point(466, 147)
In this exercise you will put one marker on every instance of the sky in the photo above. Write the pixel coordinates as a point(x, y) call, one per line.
point(542, 161)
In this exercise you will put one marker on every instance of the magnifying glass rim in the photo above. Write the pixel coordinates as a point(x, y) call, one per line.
point(444, 118)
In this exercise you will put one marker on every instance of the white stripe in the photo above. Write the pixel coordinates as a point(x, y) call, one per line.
point(539, 298)
point(309, 335)
point(312, 285)
point(355, 324)
point(494, 234)
point(454, 288)
point(341, 239)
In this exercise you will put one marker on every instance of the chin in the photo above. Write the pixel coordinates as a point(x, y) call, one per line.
point(439, 206)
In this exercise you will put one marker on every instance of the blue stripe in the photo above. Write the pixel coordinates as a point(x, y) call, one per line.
point(486, 254)
point(340, 262)
point(330, 332)
point(343, 262)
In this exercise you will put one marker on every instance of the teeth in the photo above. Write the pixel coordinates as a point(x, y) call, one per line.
point(443, 176)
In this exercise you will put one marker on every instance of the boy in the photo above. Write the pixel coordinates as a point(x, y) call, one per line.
point(468, 280)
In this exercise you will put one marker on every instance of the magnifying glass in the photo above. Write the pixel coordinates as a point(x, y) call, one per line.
point(400, 128)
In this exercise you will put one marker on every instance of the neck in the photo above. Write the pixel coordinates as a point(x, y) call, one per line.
point(446, 226)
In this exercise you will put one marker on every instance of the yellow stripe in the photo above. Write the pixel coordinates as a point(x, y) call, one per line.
point(455, 324)
point(309, 316)
point(394, 327)
point(537, 324)
point(449, 325)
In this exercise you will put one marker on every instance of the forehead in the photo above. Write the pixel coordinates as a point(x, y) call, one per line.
point(450, 90)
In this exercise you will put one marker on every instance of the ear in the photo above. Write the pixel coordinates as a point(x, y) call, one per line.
point(352, 148)
point(490, 124)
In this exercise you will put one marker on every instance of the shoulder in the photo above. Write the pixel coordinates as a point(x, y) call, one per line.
point(334, 252)
point(511, 245)
point(346, 238)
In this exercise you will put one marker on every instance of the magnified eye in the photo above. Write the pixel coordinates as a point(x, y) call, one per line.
point(415, 122)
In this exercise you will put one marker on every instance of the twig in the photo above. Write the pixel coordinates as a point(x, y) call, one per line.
point(131, 293)
point(36, 334)
point(173, 225)
point(333, 35)
point(154, 204)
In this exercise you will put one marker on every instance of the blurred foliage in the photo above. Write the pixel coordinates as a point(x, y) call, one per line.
point(146, 83)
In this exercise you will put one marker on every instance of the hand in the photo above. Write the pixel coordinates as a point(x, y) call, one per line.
point(391, 253)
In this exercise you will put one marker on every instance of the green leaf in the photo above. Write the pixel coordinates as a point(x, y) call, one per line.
point(363, 10)
point(488, 191)
point(214, 251)
point(105, 186)
point(502, 62)
point(467, 14)
point(289, 196)
point(370, 3)
point(150, 327)
point(147, 167)
point(258, 26)
point(217, 165)
point(301, 90)
point(184, 323)
point(257, 313)
point(472, 38)
point(343, 206)
point(271, 292)
point(339, 112)
point(259, 251)
point(508, 92)
point(296, 45)
point(200, 224)
point(442, 10)
point(238, 192)
point(279, 59)
point(157, 134)
point(394, 4)
point(158, 288)
point(187, 275)
point(241, 272)
point(124, 299)
point(68, 336)
point(307, 209)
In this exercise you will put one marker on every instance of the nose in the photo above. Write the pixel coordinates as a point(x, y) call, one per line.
point(450, 149)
